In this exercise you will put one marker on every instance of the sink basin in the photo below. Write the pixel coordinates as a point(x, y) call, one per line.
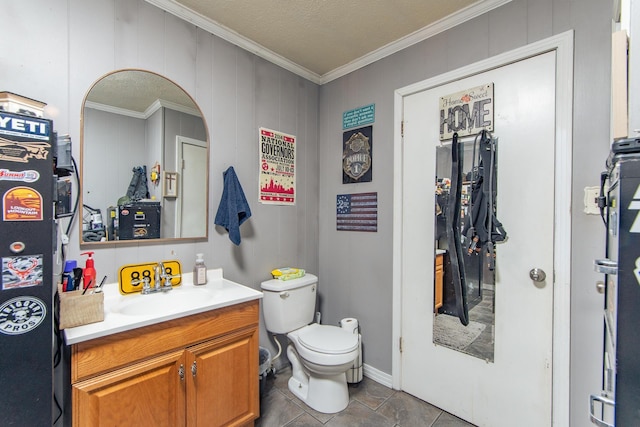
point(174, 301)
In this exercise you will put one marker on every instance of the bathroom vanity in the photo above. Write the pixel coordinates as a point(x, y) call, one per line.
point(185, 357)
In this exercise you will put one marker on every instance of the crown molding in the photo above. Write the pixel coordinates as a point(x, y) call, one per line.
point(460, 17)
point(470, 12)
point(233, 37)
point(155, 106)
point(114, 110)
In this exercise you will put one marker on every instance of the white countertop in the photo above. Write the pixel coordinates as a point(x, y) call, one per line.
point(217, 293)
point(440, 251)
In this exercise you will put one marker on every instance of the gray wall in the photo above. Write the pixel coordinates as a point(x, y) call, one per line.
point(59, 48)
point(118, 141)
point(356, 268)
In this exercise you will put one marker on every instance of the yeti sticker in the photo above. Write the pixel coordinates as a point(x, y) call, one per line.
point(21, 315)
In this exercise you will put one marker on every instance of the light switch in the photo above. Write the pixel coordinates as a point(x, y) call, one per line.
point(591, 195)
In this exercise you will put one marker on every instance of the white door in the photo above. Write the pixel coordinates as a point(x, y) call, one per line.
point(516, 388)
point(192, 203)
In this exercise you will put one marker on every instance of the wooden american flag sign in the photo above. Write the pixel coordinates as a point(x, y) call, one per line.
point(357, 212)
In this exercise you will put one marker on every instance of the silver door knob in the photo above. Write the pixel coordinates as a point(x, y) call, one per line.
point(537, 275)
point(600, 287)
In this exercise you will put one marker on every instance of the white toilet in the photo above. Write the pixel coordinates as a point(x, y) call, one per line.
point(320, 355)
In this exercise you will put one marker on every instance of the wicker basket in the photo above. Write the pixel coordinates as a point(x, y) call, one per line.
point(77, 309)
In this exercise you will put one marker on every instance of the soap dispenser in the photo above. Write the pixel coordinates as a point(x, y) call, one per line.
point(199, 271)
point(89, 272)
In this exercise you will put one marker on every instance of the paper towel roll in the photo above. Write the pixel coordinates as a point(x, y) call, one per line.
point(350, 324)
point(354, 374)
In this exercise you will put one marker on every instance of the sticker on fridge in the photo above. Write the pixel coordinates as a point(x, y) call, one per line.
point(22, 204)
point(22, 271)
point(24, 176)
point(21, 314)
point(23, 138)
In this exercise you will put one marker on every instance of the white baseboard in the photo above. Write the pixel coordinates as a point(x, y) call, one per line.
point(378, 376)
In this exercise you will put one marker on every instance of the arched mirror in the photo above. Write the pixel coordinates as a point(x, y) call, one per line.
point(144, 161)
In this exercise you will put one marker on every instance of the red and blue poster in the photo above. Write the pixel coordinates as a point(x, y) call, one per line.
point(357, 212)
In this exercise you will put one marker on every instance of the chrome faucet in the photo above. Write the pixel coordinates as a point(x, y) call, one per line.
point(159, 274)
point(161, 281)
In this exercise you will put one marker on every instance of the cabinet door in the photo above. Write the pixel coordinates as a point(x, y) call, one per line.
point(223, 381)
point(439, 278)
point(149, 393)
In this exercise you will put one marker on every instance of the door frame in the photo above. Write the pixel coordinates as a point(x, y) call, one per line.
point(180, 142)
point(562, 44)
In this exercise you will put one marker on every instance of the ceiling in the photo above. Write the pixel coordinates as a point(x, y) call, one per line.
point(137, 93)
point(322, 40)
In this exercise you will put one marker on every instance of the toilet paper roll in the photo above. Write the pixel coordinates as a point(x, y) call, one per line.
point(350, 324)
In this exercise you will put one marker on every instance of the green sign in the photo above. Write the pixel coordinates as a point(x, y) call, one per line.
point(359, 116)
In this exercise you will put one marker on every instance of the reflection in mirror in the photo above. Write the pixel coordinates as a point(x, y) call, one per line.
point(478, 293)
point(144, 161)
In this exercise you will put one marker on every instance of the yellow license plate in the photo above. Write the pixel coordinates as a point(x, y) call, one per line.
point(131, 277)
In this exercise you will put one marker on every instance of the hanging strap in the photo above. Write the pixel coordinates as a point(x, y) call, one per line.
point(453, 232)
point(484, 229)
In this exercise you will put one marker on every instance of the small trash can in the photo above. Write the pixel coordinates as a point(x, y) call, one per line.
point(264, 360)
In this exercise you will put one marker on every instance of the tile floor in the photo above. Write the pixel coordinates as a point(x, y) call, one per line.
point(371, 405)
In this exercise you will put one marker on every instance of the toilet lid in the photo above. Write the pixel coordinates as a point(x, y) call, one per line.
point(328, 339)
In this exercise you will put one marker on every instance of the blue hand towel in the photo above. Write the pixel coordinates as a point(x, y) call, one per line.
point(233, 209)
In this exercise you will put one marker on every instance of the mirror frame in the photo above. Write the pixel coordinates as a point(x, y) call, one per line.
point(136, 242)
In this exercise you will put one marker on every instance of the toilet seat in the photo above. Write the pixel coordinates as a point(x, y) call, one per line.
point(327, 339)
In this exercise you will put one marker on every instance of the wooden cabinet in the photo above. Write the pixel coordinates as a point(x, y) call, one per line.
point(200, 370)
point(221, 385)
point(147, 393)
point(438, 279)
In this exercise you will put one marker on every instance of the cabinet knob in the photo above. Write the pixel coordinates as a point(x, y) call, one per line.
point(181, 372)
point(194, 368)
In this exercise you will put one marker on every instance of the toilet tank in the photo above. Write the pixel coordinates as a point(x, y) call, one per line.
point(288, 305)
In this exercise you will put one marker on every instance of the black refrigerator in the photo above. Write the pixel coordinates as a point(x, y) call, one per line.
point(618, 404)
point(27, 288)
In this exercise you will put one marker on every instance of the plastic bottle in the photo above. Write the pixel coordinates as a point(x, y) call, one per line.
point(89, 272)
point(199, 271)
point(67, 277)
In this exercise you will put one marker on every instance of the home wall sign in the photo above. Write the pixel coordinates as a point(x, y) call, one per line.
point(357, 155)
point(277, 183)
point(467, 112)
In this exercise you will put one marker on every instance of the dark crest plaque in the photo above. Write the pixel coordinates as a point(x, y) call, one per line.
point(357, 155)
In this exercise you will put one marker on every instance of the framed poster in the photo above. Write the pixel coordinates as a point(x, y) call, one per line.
point(277, 183)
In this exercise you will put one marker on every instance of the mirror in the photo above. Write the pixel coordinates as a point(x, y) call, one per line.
point(478, 287)
point(144, 161)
